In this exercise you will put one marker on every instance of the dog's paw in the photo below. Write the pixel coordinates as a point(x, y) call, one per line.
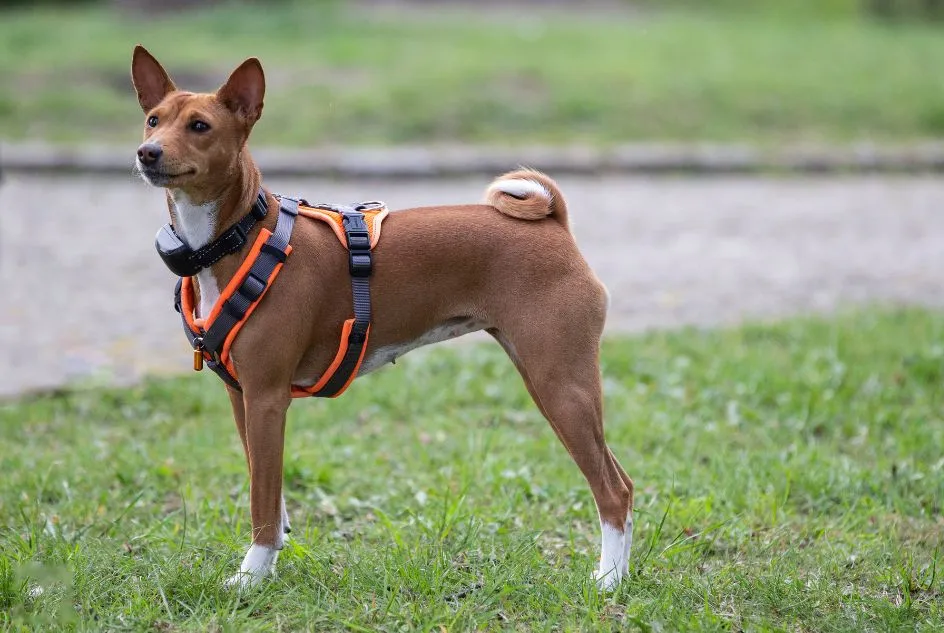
point(607, 581)
point(258, 564)
point(243, 581)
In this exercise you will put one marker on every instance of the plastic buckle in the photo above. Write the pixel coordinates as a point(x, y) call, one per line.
point(354, 223)
point(260, 208)
point(274, 251)
point(358, 240)
point(240, 234)
point(358, 243)
point(361, 263)
point(252, 287)
point(235, 312)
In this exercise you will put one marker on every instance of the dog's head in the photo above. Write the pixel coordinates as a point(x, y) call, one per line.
point(191, 141)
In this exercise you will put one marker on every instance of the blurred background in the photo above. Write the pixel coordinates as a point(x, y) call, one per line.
point(724, 160)
point(594, 71)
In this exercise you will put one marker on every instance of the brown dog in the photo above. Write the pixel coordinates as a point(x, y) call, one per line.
point(509, 267)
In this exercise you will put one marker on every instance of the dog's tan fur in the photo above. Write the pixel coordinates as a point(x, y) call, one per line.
point(511, 264)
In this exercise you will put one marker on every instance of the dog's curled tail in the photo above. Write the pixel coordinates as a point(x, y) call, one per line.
point(529, 195)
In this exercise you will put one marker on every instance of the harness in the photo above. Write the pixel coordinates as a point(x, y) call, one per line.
point(357, 227)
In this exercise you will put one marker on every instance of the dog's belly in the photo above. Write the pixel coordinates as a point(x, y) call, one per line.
point(449, 330)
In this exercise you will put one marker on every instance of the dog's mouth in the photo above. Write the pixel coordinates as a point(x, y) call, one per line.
point(160, 177)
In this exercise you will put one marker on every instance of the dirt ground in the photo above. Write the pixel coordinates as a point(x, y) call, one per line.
point(85, 298)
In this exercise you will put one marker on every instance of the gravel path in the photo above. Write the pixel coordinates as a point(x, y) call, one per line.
point(86, 298)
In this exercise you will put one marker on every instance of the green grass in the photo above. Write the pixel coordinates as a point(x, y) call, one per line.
point(789, 477)
point(336, 76)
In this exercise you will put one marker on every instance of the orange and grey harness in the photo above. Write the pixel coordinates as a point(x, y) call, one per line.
point(212, 337)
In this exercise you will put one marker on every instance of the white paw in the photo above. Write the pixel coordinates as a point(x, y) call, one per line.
point(258, 564)
point(627, 543)
point(613, 553)
point(242, 581)
point(607, 581)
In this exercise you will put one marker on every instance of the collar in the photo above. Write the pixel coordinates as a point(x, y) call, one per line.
point(184, 261)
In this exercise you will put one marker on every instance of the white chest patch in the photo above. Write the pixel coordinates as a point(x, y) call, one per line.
point(195, 224)
point(449, 330)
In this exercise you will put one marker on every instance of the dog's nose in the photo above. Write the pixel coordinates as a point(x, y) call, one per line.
point(149, 154)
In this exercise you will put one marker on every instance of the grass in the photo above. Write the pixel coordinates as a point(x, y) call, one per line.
point(789, 477)
point(385, 77)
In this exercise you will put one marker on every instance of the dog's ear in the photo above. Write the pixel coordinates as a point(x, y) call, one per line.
point(150, 80)
point(243, 92)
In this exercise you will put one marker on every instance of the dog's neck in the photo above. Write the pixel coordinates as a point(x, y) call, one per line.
point(200, 215)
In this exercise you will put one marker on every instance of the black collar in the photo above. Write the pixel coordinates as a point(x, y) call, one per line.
point(186, 262)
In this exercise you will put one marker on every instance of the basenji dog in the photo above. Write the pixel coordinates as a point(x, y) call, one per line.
point(509, 266)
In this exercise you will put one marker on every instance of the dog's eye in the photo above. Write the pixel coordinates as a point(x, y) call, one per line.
point(199, 126)
point(152, 121)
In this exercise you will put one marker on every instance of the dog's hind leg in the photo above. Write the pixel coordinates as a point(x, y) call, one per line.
point(560, 367)
point(628, 532)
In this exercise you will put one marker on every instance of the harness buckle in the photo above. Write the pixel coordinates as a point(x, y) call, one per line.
point(360, 264)
point(358, 244)
point(261, 208)
point(252, 287)
point(198, 353)
point(240, 234)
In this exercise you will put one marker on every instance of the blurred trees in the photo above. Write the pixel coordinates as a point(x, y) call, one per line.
point(921, 10)
point(927, 9)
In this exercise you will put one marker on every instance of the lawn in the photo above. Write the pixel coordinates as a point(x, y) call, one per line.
point(337, 75)
point(789, 477)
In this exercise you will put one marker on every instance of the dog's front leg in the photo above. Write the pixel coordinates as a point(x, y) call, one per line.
point(265, 434)
point(239, 415)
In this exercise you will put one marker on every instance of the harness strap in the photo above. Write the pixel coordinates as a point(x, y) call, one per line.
point(256, 280)
point(360, 263)
point(196, 342)
point(272, 253)
point(212, 346)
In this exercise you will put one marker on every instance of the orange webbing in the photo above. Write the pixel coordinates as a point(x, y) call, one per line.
point(372, 217)
point(186, 307)
point(201, 324)
point(228, 292)
point(304, 392)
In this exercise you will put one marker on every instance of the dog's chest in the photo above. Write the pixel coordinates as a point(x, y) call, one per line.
point(449, 330)
point(196, 225)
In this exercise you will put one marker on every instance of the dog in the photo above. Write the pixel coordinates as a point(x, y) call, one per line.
point(509, 266)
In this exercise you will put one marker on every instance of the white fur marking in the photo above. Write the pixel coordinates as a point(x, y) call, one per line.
point(612, 557)
point(438, 334)
point(209, 292)
point(285, 523)
point(519, 188)
point(259, 563)
point(628, 542)
point(196, 225)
